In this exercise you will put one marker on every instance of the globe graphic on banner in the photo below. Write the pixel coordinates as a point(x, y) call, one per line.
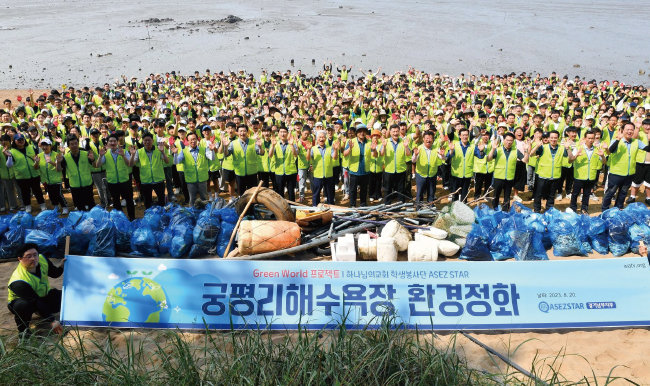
point(136, 300)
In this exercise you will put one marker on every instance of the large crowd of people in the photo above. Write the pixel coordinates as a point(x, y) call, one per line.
point(377, 138)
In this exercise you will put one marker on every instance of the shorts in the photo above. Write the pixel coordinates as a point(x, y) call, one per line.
point(214, 175)
point(228, 175)
point(642, 175)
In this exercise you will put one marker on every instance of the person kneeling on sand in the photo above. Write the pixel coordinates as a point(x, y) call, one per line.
point(30, 291)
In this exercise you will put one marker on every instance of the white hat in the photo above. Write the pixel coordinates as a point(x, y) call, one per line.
point(212, 119)
point(46, 141)
point(377, 126)
point(438, 112)
point(589, 117)
point(318, 124)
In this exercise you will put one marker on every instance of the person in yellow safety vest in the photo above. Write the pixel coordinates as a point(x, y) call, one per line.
point(359, 152)
point(21, 158)
point(395, 151)
point(505, 164)
point(195, 160)
point(29, 290)
point(549, 169)
point(461, 156)
point(245, 152)
point(162, 137)
point(306, 140)
point(376, 169)
point(266, 169)
point(283, 156)
point(622, 157)
point(227, 167)
point(46, 166)
point(98, 174)
point(320, 157)
point(7, 184)
point(77, 164)
point(117, 163)
point(152, 175)
point(586, 161)
point(344, 73)
point(214, 165)
point(642, 174)
point(426, 158)
point(532, 160)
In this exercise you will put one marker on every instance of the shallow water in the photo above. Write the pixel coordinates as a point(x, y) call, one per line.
point(48, 43)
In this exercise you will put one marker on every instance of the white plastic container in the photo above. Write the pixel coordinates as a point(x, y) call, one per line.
point(344, 250)
point(367, 247)
point(386, 249)
point(424, 250)
point(401, 235)
point(447, 248)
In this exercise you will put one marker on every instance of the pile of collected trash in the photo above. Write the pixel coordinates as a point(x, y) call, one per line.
point(163, 231)
point(523, 234)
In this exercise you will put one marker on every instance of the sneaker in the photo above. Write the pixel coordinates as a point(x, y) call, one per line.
point(593, 197)
point(517, 198)
point(65, 210)
point(558, 197)
point(43, 207)
point(2, 209)
point(123, 202)
point(630, 199)
point(28, 209)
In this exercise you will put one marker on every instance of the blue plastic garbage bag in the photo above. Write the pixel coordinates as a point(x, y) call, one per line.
point(224, 237)
point(103, 242)
point(618, 224)
point(4, 223)
point(501, 241)
point(81, 235)
point(565, 238)
point(165, 241)
point(639, 212)
point(228, 215)
point(477, 245)
point(181, 241)
point(144, 242)
point(527, 245)
point(122, 231)
point(639, 233)
point(47, 244)
point(99, 214)
point(11, 240)
point(153, 221)
point(48, 221)
point(23, 219)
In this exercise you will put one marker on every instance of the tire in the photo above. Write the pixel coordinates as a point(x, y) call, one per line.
point(271, 200)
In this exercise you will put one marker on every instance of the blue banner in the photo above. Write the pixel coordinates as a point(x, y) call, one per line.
point(223, 294)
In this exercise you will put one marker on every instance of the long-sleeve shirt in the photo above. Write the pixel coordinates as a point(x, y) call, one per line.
point(25, 291)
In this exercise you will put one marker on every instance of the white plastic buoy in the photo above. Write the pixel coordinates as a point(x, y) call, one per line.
point(386, 249)
point(401, 235)
point(434, 232)
point(424, 250)
point(447, 248)
point(367, 247)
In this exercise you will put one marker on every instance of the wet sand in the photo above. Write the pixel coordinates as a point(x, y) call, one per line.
point(449, 37)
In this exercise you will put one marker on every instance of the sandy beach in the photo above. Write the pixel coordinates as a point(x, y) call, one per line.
point(451, 37)
point(139, 38)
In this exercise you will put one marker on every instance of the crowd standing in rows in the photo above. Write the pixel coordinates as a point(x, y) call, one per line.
point(377, 138)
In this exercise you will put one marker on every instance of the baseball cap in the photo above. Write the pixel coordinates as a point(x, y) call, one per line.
point(46, 141)
point(18, 136)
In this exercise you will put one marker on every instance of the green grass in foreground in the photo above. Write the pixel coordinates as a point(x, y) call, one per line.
point(379, 357)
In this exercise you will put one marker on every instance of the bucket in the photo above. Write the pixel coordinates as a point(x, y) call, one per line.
point(259, 236)
point(367, 247)
point(423, 250)
point(386, 250)
point(401, 235)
